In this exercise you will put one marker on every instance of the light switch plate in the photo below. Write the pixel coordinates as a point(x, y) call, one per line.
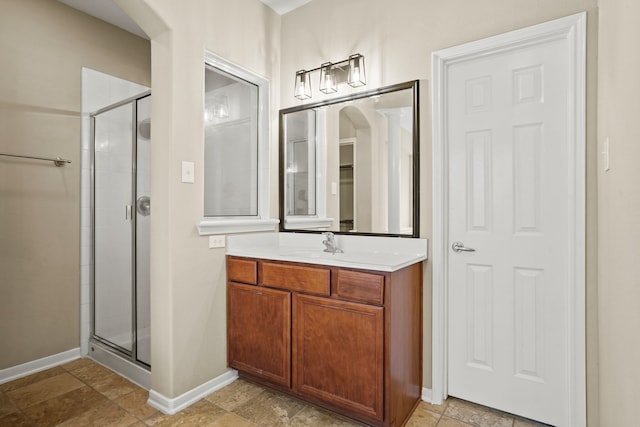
point(188, 172)
point(217, 242)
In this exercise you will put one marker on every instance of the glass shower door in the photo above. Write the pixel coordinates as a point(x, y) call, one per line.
point(113, 227)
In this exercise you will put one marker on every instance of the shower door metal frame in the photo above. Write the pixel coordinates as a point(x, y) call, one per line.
point(130, 355)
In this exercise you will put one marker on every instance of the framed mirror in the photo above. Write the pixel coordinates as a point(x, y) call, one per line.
point(351, 164)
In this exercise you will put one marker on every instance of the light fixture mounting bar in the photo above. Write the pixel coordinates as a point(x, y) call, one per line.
point(333, 64)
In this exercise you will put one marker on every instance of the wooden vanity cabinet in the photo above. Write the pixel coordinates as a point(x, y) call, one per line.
point(259, 332)
point(349, 340)
point(338, 354)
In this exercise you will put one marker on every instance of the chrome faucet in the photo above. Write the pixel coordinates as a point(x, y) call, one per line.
point(330, 243)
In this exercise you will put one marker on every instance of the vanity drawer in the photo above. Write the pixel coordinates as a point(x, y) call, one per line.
point(297, 278)
point(242, 270)
point(360, 286)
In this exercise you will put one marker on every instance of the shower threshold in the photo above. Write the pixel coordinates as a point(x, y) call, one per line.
point(126, 368)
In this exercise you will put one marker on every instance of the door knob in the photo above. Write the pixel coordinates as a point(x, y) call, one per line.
point(460, 247)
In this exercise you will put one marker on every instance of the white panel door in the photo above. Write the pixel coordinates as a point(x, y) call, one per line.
point(509, 200)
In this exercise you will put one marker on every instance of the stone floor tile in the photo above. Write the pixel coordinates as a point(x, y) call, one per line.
point(91, 372)
point(433, 408)
point(315, 417)
point(423, 417)
point(47, 388)
point(270, 409)
point(78, 363)
point(107, 414)
point(156, 419)
point(202, 413)
point(6, 405)
point(136, 404)
point(235, 394)
point(30, 379)
point(16, 419)
point(114, 386)
point(476, 415)
point(231, 420)
point(62, 408)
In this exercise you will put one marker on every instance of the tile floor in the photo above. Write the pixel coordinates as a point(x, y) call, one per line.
point(84, 393)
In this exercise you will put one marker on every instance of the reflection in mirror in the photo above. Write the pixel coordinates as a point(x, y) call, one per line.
point(300, 140)
point(351, 165)
point(231, 145)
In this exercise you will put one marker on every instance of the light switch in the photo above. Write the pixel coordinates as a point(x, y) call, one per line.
point(188, 172)
point(334, 188)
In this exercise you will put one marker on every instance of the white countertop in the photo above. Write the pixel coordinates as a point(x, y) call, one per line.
point(364, 252)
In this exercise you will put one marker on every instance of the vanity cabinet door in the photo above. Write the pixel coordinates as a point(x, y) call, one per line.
point(259, 332)
point(338, 354)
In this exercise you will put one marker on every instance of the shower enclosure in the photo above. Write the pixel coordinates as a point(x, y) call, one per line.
point(120, 159)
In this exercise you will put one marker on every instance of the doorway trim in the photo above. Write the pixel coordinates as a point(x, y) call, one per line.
point(571, 29)
point(352, 142)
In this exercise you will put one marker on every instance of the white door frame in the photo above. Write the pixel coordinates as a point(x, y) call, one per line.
point(572, 30)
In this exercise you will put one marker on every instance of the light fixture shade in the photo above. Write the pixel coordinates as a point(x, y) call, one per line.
point(357, 75)
point(303, 85)
point(327, 78)
point(220, 107)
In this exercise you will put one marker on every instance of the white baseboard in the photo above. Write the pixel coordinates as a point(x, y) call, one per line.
point(170, 406)
point(427, 395)
point(19, 371)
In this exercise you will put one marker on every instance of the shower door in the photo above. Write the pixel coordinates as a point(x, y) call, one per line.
point(121, 208)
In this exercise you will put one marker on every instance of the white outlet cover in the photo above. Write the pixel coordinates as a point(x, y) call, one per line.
point(217, 242)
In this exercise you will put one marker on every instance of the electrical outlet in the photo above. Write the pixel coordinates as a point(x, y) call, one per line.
point(217, 242)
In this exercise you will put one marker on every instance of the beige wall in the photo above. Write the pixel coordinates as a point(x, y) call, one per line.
point(188, 315)
point(43, 45)
point(618, 212)
point(397, 39)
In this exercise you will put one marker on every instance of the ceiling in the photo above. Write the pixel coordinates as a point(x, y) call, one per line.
point(110, 12)
point(283, 6)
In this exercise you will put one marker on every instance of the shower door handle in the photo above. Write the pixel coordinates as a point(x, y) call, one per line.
point(143, 205)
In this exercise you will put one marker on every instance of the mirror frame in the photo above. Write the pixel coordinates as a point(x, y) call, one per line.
point(414, 85)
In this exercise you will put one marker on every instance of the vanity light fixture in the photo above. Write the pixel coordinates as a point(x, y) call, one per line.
point(330, 73)
point(221, 107)
point(216, 108)
point(327, 79)
point(303, 85)
point(356, 71)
